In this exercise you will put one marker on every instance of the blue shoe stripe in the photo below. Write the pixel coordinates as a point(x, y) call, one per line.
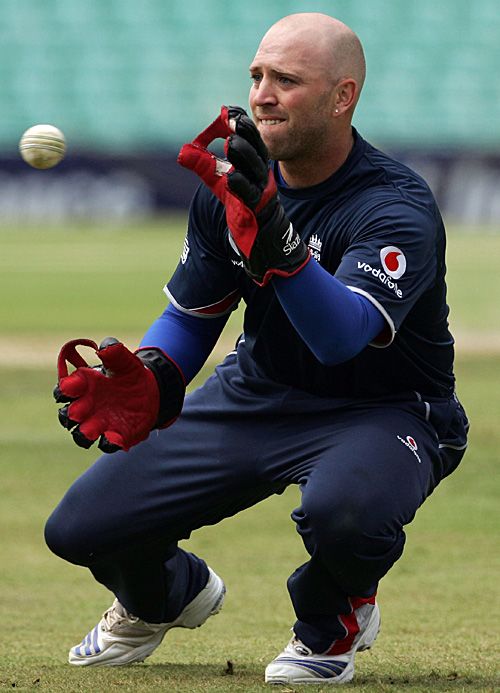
point(78, 650)
point(97, 649)
point(88, 651)
point(89, 644)
point(322, 667)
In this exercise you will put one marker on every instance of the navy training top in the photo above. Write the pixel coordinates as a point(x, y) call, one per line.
point(375, 226)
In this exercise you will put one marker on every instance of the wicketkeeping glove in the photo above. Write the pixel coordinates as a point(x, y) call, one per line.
point(121, 401)
point(263, 234)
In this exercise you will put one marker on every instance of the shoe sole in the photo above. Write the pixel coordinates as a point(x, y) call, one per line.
point(346, 676)
point(111, 658)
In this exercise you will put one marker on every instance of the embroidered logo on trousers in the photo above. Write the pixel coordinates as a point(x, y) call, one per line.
point(411, 443)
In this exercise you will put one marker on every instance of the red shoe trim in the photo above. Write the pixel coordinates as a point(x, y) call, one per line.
point(350, 623)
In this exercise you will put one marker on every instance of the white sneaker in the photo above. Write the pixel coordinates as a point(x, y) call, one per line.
point(297, 664)
point(122, 638)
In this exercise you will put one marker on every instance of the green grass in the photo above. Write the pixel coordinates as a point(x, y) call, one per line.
point(85, 278)
point(473, 285)
point(439, 603)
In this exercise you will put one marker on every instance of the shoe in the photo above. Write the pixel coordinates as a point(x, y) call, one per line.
point(297, 664)
point(122, 638)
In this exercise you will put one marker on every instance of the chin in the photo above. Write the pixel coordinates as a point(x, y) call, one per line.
point(273, 149)
point(277, 153)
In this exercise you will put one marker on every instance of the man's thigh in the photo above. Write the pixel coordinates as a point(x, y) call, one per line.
point(376, 469)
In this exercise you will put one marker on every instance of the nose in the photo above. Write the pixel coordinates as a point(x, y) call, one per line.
point(263, 93)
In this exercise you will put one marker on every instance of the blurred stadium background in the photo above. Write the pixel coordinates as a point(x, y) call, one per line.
point(129, 82)
point(86, 247)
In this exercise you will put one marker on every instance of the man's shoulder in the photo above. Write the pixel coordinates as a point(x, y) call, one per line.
point(396, 173)
point(393, 187)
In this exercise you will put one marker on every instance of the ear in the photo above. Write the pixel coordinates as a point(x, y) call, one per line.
point(346, 96)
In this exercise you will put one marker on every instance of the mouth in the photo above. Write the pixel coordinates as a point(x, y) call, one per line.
point(271, 121)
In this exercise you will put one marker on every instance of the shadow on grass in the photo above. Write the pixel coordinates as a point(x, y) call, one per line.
point(220, 677)
point(432, 681)
point(192, 678)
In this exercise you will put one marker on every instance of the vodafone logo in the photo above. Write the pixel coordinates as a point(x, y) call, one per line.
point(381, 276)
point(411, 443)
point(393, 261)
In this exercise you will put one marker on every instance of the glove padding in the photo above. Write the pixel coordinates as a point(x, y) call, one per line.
point(263, 234)
point(120, 402)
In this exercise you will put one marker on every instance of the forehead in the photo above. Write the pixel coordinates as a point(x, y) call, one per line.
point(293, 52)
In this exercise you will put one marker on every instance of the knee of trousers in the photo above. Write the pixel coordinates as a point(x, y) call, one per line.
point(66, 536)
point(348, 525)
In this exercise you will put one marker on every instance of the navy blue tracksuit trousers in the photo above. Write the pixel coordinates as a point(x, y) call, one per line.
point(363, 469)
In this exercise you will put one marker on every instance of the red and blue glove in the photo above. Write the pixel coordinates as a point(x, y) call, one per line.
point(121, 401)
point(263, 234)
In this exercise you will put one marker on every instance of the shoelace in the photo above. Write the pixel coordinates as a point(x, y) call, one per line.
point(117, 614)
point(299, 647)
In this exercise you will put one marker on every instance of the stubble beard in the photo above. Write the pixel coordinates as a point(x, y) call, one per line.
point(300, 145)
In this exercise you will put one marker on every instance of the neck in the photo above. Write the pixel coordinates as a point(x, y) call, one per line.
point(304, 173)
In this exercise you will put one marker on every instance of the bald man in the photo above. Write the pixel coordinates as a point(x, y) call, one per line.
point(341, 382)
point(325, 60)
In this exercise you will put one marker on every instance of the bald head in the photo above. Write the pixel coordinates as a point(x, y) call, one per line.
point(307, 76)
point(325, 44)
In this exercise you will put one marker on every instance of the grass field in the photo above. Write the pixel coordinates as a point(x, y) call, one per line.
point(440, 604)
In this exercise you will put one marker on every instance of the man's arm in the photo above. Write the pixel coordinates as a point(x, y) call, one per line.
point(187, 339)
point(334, 322)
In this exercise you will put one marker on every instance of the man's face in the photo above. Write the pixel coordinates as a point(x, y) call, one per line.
point(291, 98)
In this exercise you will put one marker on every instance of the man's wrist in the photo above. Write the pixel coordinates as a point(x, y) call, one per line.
point(278, 249)
point(170, 381)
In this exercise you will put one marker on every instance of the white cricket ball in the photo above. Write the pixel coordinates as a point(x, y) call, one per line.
point(42, 146)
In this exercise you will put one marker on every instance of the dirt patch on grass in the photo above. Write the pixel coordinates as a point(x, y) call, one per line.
point(43, 351)
point(480, 343)
point(32, 351)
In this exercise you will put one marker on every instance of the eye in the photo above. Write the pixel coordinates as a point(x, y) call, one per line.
point(256, 77)
point(285, 81)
